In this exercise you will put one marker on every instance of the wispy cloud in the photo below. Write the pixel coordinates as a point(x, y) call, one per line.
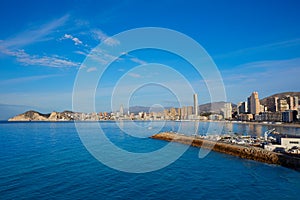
point(91, 69)
point(267, 77)
point(261, 48)
point(285, 64)
point(74, 39)
point(33, 35)
point(13, 46)
point(101, 36)
point(138, 61)
point(135, 75)
point(48, 61)
point(27, 79)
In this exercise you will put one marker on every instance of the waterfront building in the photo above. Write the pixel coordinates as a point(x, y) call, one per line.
point(276, 104)
point(196, 105)
point(121, 110)
point(184, 112)
point(189, 110)
point(242, 107)
point(271, 104)
point(271, 116)
point(249, 105)
point(254, 106)
point(215, 117)
point(296, 103)
point(282, 105)
point(245, 117)
point(289, 143)
point(239, 105)
point(227, 111)
point(290, 102)
point(289, 116)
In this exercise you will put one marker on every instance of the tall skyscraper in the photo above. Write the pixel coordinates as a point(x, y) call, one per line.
point(276, 104)
point(121, 110)
point(196, 104)
point(254, 103)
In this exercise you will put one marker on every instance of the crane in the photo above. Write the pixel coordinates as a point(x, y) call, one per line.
point(267, 133)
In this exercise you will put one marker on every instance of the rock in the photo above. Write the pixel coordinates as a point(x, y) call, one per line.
point(30, 116)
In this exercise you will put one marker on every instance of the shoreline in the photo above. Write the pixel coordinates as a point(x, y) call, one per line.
point(260, 123)
point(224, 121)
point(245, 152)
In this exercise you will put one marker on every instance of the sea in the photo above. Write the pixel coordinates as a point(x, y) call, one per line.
point(53, 160)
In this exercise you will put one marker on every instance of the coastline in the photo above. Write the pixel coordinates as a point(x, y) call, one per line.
point(245, 152)
point(218, 121)
point(255, 123)
point(260, 123)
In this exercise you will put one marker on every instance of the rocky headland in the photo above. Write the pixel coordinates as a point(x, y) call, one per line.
point(36, 116)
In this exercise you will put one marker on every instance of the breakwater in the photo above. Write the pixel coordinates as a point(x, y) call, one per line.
point(246, 152)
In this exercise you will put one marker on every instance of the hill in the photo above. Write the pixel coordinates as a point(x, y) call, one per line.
point(214, 107)
point(279, 95)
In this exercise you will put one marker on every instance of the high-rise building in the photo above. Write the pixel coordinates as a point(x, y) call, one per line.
point(254, 103)
point(249, 105)
point(276, 104)
point(242, 107)
point(189, 110)
point(296, 103)
point(196, 104)
point(282, 105)
point(183, 112)
point(227, 112)
point(121, 110)
point(290, 101)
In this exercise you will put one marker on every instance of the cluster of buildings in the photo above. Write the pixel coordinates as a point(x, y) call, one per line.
point(284, 109)
point(274, 109)
point(188, 112)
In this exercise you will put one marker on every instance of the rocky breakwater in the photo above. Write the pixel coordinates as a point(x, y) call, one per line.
point(247, 152)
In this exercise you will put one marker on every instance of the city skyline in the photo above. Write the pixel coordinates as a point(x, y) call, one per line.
point(42, 52)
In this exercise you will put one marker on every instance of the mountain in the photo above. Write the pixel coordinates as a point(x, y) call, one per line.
point(137, 109)
point(214, 107)
point(279, 95)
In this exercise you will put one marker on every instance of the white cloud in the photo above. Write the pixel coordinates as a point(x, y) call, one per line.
point(74, 39)
point(100, 35)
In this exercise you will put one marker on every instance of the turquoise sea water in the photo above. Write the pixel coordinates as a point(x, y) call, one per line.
point(48, 161)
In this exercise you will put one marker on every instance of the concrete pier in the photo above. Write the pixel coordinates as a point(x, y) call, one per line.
point(247, 152)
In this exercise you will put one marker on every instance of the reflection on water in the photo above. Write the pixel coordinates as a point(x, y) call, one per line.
point(207, 128)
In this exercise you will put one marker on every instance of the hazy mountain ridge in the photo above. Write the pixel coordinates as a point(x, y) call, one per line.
point(214, 107)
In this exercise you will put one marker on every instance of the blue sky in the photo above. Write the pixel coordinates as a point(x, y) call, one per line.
point(255, 45)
